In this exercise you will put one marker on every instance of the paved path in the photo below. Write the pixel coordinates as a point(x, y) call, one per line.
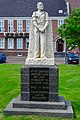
point(21, 60)
point(15, 60)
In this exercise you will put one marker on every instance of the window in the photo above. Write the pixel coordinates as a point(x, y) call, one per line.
point(10, 26)
point(2, 43)
point(27, 43)
point(60, 11)
point(1, 26)
point(10, 43)
point(19, 26)
point(19, 43)
point(28, 22)
point(60, 22)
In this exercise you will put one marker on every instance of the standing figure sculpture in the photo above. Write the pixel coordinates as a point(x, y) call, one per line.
point(40, 38)
point(40, 21)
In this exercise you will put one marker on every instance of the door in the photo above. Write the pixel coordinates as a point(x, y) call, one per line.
point(59, 45)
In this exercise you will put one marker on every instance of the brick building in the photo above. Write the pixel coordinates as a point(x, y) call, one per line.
point(15, 18)
point(73, 3)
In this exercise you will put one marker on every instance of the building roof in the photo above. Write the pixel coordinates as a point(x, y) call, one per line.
point(25, 8)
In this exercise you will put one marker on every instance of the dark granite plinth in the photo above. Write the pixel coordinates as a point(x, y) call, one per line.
point(39, 83)
point(39, 94)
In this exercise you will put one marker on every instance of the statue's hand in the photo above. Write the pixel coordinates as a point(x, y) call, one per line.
point(42, 30)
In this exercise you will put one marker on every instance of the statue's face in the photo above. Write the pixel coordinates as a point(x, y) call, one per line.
point(40, 6)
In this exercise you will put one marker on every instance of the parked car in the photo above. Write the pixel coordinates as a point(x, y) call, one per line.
point(2, 58)
point(73, 58)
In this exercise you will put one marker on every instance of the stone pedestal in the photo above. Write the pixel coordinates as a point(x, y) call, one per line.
point(39, 83)
point(39, 94)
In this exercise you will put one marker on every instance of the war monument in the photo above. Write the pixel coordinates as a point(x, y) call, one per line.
point(39, 76)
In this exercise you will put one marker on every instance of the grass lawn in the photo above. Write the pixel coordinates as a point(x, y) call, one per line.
point(69, 87)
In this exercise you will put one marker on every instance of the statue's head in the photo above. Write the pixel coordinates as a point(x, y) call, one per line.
point(40, 6)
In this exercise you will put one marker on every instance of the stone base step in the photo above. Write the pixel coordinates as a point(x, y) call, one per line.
point(17, 103)
point(67, 113)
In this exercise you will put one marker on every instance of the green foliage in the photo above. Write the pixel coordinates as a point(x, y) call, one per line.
point(70, 30)
point(69, 87)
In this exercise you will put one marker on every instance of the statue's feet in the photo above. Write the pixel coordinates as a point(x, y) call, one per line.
point(40, 58)
point(36, 57)
point(43, 58)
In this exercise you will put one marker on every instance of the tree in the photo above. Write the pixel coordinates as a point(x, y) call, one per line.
point(70, 30)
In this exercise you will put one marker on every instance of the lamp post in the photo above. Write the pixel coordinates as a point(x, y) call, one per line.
point(67, 14)
point(65, 52)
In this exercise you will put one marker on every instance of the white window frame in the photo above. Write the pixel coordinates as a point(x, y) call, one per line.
point(28, 22)
point(60, 22)
point(10, 43)
point(60, 11)
point(1, 25)
point(10, 26)
point(19, 43)
point(2, 43)
point(19, 26)
point(27, 43)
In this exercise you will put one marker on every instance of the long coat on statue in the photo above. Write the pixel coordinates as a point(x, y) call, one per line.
point(49, 40)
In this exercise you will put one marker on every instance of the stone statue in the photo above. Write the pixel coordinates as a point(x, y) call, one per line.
point(41, 38)
point(40, 21)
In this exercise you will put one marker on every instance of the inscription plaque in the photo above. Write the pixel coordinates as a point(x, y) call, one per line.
point(39, 84)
